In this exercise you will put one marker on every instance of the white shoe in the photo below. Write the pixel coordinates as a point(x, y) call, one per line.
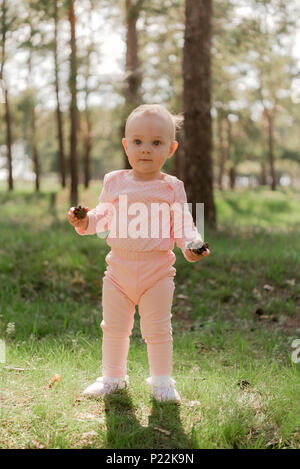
point(163, 388)
point(106, 385)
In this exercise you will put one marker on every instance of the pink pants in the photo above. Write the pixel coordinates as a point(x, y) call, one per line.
point(145, 279)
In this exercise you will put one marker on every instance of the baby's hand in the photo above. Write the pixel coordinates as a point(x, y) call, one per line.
point(196, 257)
point(76, 222)
point(197, 250)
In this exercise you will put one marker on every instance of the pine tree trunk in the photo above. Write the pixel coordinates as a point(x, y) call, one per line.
point(73, 109)
point(7, 108)
point(263, 174)
point(32, 139)
point(87, 150)
point(87, 134)
point(132, 80)
point(35, 156)
point(229, 143)
point(222, 154)
point(33, 144)
point(61, 153)
point(232, 176)
point(8, 142)
point(197, 106)
point(271, 153)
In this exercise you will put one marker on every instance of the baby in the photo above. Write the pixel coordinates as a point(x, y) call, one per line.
point(140, 265)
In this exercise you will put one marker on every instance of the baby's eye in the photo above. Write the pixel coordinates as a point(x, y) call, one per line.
point(137, 141)
point(157, 142)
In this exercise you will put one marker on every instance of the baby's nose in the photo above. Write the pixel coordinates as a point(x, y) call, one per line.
point(146, 149)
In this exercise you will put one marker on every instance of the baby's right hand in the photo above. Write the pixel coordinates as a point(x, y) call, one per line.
point(76, 222)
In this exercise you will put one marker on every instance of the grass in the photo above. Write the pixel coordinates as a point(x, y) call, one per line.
point(51, 311)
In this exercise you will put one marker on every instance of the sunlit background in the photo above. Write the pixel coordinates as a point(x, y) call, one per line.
point(250, 75)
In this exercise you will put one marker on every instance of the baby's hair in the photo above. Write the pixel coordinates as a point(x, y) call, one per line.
point(176, 119)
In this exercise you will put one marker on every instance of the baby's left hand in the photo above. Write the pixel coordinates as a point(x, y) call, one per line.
point(196, 257)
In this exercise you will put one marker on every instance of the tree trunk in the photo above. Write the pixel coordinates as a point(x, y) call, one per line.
point(8, 142)
point(73, 109)
point(88, 127)
point(132, 81)
point(271, 154)
point(7, 108)
point(229, 142)
point(35, 157)
point(61, 153)
point(32, 138)
point(197, 105)
point(232, 176)
point(222, 152)
point(87, 149)
point(263, 174)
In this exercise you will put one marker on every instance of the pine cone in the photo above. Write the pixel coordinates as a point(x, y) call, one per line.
point(198, 247)
point(80, 212)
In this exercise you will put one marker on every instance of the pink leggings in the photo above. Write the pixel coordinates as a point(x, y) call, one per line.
point(145, 279)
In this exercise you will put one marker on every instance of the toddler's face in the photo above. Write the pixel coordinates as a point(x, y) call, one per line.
point(148, 143)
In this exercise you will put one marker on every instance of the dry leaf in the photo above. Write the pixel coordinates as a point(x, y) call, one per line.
point(272, 317)
point(89, 434)
point(162, 430)
point(37, 444)
point(200, 346)
point(83, 417)
point(291, 282)
point(182, 297)
point(256, 293)
point(194, 403)
point(78, 279)
point(55, 379)
point(79, 399)
point(268, 287)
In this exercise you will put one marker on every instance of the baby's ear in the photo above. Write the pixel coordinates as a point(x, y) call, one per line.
point(124, 143)
point(173, 147)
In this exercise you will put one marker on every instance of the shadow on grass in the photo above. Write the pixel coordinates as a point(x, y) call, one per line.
point(124, 431)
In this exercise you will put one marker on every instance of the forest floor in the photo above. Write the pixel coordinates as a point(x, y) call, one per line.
point(236, 317)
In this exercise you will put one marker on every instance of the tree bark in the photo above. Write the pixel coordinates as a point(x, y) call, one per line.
point(222, 151)
point(61, 153)
point(8, 142)
point(229, 142)
point(33, 143)
point(263, 174)
point(197, 105)
point(132, 81)
point(271, 153)
point(232, 176)
point(87, 148)
point(88, 126)
point(7, 108)
point(35, 157)
point(73, 109)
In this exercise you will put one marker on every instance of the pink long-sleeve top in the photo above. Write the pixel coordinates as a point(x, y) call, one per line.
point(143, 215)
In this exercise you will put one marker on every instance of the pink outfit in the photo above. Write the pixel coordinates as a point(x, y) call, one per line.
point(167, 191)
point(139, 269)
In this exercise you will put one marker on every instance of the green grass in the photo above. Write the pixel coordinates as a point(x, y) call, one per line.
point(51, 292)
